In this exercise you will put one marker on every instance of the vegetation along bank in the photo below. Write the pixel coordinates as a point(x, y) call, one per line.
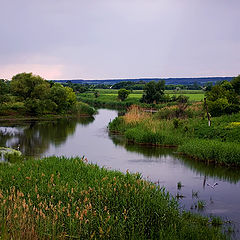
point(218, 143)
point(31, 96)
point(59, 198)
point(208, 131)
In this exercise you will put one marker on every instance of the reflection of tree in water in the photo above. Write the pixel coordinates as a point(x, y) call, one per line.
point(146, 150)
point(208, 170)
point(35, 137)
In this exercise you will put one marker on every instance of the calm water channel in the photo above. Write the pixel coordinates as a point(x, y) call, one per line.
point(89, 137)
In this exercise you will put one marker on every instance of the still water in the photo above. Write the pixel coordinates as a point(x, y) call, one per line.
point(89, 137)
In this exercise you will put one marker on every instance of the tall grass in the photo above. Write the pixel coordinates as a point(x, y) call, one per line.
point(218, 143)
point(212, 150)
point(59, 198)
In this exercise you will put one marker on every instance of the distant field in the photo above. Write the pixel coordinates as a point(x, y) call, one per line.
point(110, 95)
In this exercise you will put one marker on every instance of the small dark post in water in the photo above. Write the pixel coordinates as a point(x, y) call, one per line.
point(208, 114)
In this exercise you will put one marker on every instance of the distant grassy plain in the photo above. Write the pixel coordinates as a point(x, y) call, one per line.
point(109, 97)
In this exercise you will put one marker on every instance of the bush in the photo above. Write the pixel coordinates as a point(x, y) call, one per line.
point(123, 94)
point(81, 108)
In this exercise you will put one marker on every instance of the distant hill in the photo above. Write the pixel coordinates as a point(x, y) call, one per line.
point(175, 81)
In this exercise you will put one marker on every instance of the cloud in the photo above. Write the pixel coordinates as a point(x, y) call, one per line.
point(45, 71)
point(121, 38)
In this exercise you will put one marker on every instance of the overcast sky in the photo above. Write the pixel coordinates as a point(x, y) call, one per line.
point(103, 39)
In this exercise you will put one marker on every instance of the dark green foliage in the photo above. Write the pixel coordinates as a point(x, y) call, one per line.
point(81, 108)
point(27, 85)
point(37, 96)
point(224, 98)
point(59, 198)
point(96, 94)
point(153, 92)
point(236, 84)
point(123, 94)
point(4, 91)
point(129, 85)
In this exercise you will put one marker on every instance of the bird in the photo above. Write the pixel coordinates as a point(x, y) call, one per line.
point(212, 186)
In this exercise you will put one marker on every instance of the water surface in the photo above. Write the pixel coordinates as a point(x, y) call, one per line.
point(89, 137)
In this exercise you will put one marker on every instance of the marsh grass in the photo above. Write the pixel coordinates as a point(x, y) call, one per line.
point(218, 144)
point(59, 198)
point(226, 153)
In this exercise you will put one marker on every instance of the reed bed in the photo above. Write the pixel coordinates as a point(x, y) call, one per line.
point(59, 198)
point(218, 143)
point(212, 150)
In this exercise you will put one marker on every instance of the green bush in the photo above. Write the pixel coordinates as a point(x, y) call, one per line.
point(81, 108)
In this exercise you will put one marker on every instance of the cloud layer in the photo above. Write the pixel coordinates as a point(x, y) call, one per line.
point(98, 39)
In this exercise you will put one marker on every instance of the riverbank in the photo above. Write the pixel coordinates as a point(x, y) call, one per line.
point(69, 198)
point(81, 109)
point(218, 144)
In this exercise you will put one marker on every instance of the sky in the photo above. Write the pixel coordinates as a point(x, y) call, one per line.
point(106, 39)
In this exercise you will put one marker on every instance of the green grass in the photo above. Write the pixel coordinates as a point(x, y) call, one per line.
point(59, 198)
point(226, 153)
point(218, 143)
point(109, 97)
point(196, 97)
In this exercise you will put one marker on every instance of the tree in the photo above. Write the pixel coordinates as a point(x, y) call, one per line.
point(236, 84)
point(27, 85)
point(63, 97)
point(153, 92)
point(96, 94)
point(4, 90)
point(223, 99)
point(123, 94)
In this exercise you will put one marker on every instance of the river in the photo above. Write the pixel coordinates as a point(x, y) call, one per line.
point(89, 137)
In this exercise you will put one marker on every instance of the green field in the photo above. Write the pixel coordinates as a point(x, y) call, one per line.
point(110, 96)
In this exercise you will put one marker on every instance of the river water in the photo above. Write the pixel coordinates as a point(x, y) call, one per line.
point(89, 137)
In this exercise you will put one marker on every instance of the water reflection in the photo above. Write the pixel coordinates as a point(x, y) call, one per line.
point(34, 137)
point(209, 170)
point(78, 137)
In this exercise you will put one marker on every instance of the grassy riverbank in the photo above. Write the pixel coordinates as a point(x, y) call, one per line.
point(71, 199)
point(218, 143)
point(80, 109)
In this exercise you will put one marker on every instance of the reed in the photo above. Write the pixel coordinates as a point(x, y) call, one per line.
point(60, 198)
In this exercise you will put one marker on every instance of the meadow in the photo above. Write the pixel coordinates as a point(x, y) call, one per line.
point(109, 97)
point(60, 198)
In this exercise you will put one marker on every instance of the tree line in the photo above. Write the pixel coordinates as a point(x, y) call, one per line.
point(35, 95)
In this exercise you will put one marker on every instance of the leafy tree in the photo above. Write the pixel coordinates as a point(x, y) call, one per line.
point(153, 92)
point(223, 99)
point(27, 85)
point(236, 84)
point(4, 90)
point(63, 97)
point(123, 94)
point(96, 94)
